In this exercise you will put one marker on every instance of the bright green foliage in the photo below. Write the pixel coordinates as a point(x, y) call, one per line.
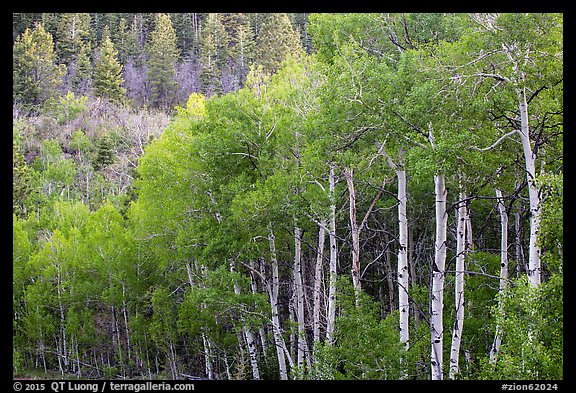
point(195, 106)
point(163, 54)
point(36, 76)
point(68, 108)
point(551, 239)
point(21, 186)
point(366, 347)
point(213, 308)
point(532, 324)
point(108, 73)
point(57, 172)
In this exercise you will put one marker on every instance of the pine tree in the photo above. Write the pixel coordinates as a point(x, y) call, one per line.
point(72, 31)
point(108, 74)
point(122, 41)
point(241, 47)
point(82, 78)
point(36, 77)
point(213, 49)
point(276, 40)
point(163, 54)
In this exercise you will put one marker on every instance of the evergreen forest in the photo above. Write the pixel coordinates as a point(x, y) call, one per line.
point(283, 196)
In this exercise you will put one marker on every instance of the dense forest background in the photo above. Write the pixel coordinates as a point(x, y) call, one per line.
point(288, 196)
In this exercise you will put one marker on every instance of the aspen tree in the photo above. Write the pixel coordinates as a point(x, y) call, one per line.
point(403, 264)
point(503, 268)
point(461, 220)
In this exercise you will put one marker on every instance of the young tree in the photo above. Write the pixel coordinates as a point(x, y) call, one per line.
point(515, 43)
point(214, 51)
point(163, 53)
point(73, 30)
point(275, 40)
point(108, 73)
point(36, 77)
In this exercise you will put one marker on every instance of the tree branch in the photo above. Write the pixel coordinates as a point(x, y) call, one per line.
point(495, 143)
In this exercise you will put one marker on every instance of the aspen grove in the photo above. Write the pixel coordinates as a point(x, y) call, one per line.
point(288, 196)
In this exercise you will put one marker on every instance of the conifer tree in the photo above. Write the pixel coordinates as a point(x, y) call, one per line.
point(72, 31)
point(213, 48)
point(276, 40)
point(163, 54)
point(108, 74)
point(82, 77)
point(241, 47)
point(36, 77)
point(121, 40)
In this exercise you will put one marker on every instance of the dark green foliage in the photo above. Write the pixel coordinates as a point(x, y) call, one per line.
point(276, 41)
point(105, 151)
point(108, 73)
point(162, 54)
point(35, 73)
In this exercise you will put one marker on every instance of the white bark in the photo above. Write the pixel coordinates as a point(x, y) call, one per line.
point(333, 261)
point(254, 289)
point(273, 294)
point(355, 231)
point(250, 341)
point(318, 281)
point(403, 277)
point(459, 287)
point(437, 293)
point(534, 265)
point(403, 272)
point(207, 356)
point(503, 269)
point(299, 289)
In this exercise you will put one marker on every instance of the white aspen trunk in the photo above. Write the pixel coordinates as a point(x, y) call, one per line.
point(459, 286)
point(262, 332)
point(437, 292)
point(208, 357)
point(318, 281)
point(355, 230)
point(403, 276)
point(333, 261)
point(403, 266)
point(64, 350)
point(251, 341)
point(273, 294)
point(125, 312)
point(503, 269)
point(249, 336)
point(299, 289)
point(534, 265)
